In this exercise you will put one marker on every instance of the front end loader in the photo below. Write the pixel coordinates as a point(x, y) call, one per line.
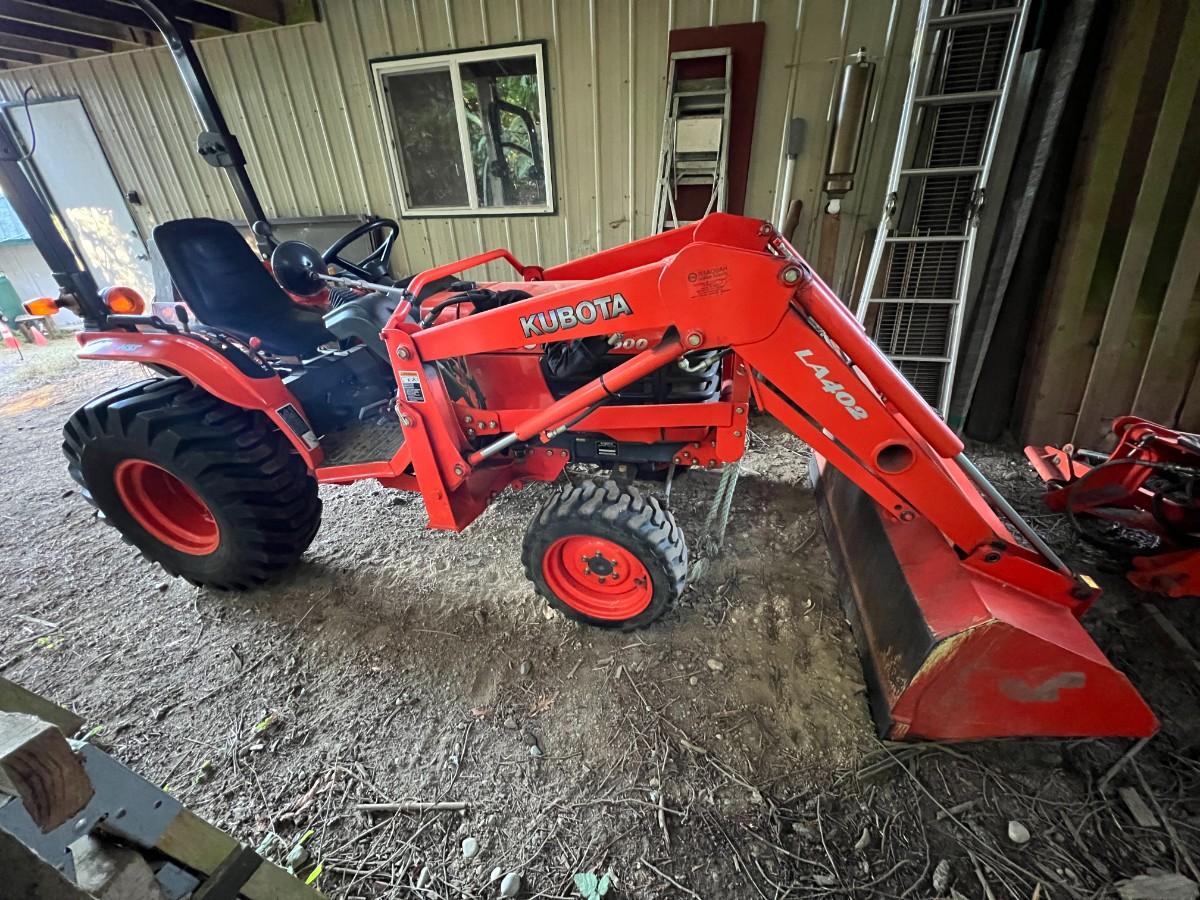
point(640, 361)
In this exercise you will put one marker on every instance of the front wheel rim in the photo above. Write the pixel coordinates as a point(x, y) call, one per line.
point(597, 577)
point(166, 508)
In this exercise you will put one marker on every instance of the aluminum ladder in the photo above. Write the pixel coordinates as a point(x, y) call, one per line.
point(695, 136)
point(914, 293)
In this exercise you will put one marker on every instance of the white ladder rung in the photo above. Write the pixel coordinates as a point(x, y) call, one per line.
point(963, 97)
point(927, 171)
point(928, 239)
point(982, 17)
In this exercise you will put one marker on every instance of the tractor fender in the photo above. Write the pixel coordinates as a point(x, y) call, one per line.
point(210, 370)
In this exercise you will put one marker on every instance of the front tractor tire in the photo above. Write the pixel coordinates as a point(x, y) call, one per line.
point(606, 554)
point(211, 492)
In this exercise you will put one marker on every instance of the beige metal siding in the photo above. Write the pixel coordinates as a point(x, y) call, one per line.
point(301, 101)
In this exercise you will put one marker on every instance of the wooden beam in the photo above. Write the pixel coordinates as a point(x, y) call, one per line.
point(38, 766)
point(208, 16)
point(201, 846)
point(1175, 349)
point(55, 36)
point(120, 11)
point(265, 10)
point(36, 14)
point(1059, 361)
point(108, 11)
point(1112, 385)
point(20, 56)
point(49, 52)
point(16, 699)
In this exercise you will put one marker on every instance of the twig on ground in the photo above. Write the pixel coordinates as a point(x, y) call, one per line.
point(414, 806)
point(671, 881)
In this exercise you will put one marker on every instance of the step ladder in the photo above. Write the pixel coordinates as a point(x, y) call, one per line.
point(914, 293)
point(693, 162)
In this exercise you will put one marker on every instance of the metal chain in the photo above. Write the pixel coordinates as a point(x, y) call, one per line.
point(715, 524)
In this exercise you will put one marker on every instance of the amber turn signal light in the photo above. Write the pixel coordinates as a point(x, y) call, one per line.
point(42, 306)
point(124, 301)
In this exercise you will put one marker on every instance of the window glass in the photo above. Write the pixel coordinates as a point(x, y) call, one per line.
point(491, 98)
point(426, 133)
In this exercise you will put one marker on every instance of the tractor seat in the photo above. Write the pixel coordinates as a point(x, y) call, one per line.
point(229, 289)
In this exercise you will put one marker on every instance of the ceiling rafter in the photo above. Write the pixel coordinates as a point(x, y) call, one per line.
point(69, 21)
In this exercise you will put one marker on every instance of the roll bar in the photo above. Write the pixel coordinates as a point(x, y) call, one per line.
point(217, 145)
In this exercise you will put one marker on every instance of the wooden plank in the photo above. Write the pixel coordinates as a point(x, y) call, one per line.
point(201, 846)
point(266, 10)
point(16, 699)
point(1137, 807)
point(1179, 652)
point(1059, 362)
point(1175, 348)
point(1112, 382)
point(56, 36)
point(38, 14)
point(38, 766)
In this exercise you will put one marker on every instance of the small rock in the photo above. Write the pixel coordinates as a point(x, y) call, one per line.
point(716, 665)
point(510, 723)
point(942, 875)
point(526, 667)
point(510, 885)
point(863, 840)
point(66, 494)
point(470, 847)
point(423, 878)
point(164, 585)
point(535, 751)
point(1017, 833)
point(693, 681)
point(804, 831)
point(529, 738)
point(496, 875)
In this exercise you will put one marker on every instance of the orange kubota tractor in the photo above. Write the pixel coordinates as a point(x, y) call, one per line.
point(643, 359)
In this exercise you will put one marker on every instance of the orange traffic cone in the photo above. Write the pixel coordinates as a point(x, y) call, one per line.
point(38, 337)
point(10, 339)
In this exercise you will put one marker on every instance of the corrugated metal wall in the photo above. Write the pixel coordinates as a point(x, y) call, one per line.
point(300, 99)
point(1120, 330)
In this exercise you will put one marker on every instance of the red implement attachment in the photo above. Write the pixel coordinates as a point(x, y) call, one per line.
point(1141, 502)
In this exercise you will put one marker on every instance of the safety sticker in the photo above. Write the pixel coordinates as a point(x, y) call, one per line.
point(410, 384)
point(711, 282)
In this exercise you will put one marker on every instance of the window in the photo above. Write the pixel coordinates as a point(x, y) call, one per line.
point(468, 131)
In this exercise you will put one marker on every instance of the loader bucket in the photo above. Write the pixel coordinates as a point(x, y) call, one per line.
point(953, 655)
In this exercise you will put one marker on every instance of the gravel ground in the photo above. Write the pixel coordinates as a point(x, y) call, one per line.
point(724, 752)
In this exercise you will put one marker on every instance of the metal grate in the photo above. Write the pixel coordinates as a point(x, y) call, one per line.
point(926, 377)
point(963, 61)
point(912, 329)
point(923, 271)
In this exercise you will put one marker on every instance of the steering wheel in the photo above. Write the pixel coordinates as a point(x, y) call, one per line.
point(374, 266)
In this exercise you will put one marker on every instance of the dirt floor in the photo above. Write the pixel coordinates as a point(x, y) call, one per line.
point(725, 752)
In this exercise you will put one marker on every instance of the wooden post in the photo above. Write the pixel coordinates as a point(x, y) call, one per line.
point(39, 767)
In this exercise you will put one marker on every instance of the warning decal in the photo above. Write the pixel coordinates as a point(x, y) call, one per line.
point(410, 385)
point(708, 282)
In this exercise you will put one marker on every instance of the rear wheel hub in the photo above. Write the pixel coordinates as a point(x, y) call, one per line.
point(166, 508)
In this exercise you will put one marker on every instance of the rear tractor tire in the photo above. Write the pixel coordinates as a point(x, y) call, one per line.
point(211, 492)
point(606, 554)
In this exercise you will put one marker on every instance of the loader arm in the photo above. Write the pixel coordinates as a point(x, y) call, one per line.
point(976, 633)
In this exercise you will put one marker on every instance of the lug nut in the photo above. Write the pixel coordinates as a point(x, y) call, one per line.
point(739, 410)
point(459, 470)
point(402, 352)
point(695, 339)
point(790, 275)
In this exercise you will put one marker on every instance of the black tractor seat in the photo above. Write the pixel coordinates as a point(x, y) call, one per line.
point(229, 289)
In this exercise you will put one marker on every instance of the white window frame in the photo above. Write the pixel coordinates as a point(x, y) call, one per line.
point(382, 68)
